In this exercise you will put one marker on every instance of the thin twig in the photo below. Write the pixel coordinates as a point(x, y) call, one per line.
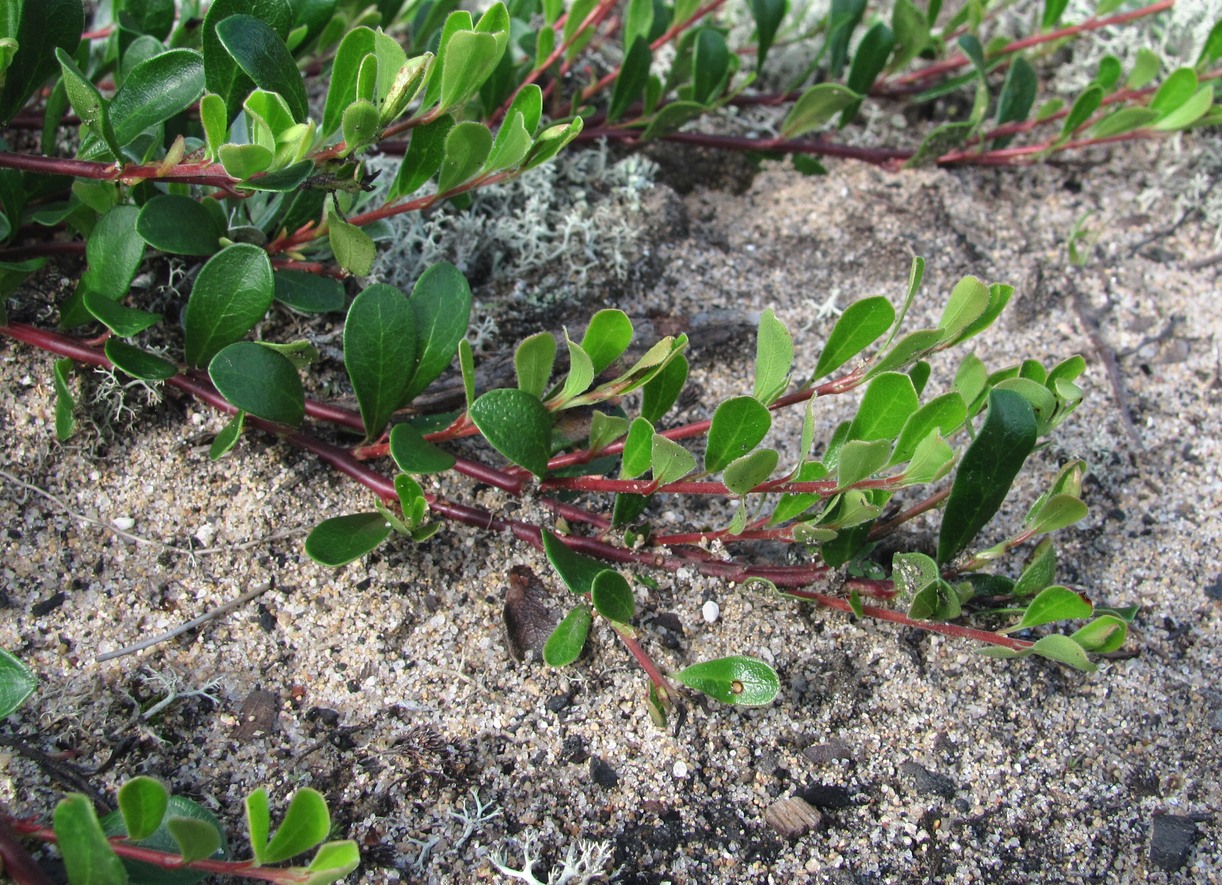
point(190, 625)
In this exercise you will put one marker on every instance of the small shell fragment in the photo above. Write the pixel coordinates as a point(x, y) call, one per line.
point(123, 523)
point(711, 612)
point(792, 818)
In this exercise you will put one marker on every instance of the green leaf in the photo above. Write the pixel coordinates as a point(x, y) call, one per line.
point(637, 449)
point(773, 358)
point(125, 322)
point(936, 601)
point(379, 349)
point(816, 106)
point(1039, 572)
point(987, 470)
point(931, 460)
point(862, 323)
point(551, 141)
point(569, 638)
point(258, 814)
point(341, 90)
point(1122, 121)
point(223, 442)
point(1187, 113)
point(661, 392)
point(340, 540)
point(581, 372)
point(968, 302)
point(1057, 512)
point(241, 161)
point(911, 33)
point(466, 366)
point(88, 857)
point(333, 861)
point(1053, 10)
point(912, 347)
point(441, 303)
point(869, 60)
point(511, 145)
point(114, 252)
point(889, 402)
point(860, 459)
point(425, 151)
point(17, 682)
point(533, 361)
point(469, 58)
point(87, 101)
point(1083, 108)
point(467, 147)
point(196, 839)
point(634, 75)
point(43, 30)
point(308, 292)
point(517, 425)
point(179, 225)
point(261, 54)
point(260, 381)
point(612, 597)
point(605, 429)
point(143, 802)
point(578, 572)
point(361, 125)
point(738, 426)
point(1102, 635)
point(1055, 647)
point(306, 823)
point(941, 140)
point(1178, 88)
point(155, 91)
point(414, 454)
point(606, 338)
point(750, 470)
point(742, 681)
point(668, 460)
point(1017, 96)
point(768, 15)
point(944, 414)
point(1053, 604)
point(65, 404)
point(671, 117)
point(353, 248)
point(231, 294)
point(711, 65)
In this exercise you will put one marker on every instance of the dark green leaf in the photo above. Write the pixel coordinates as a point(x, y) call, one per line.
point(911, 29)
point(308, 292)
point(45, 26)
point(634, 75)
point(569, 638)
point(143, 802)
point(734, 680)
point(517, 425)
point(711, 65)
point(662, 391)
point(441, 304)
point(987, 470)
point(1083, 108)
point(773, 358)
point(65, 404)
point(290, 178)
point(671, 118)
point(261, 54)
point(1053, 10)
point(612, 597)
point(845, 16)
point(231, 294)
point(936, 601)
point(862, 323)
point(155, 91)
point(125, 322)
point(768, 15)
point(906, 351)
point(88, 857)
point(414, 454)
point(637, 449)
point(869, 59)
point(889, 402)
point(114, 252)
point(1039, 572)
point(738, 426)
point(1017, 95)
point(425, 151)
point(17, 682)
point(221, 73)
point(260, 381)
point(341, 90)
point(341, 539)
point(179, 225)
point(379, 350)
point(577, 571)
point(223, 442)
point(467, 147)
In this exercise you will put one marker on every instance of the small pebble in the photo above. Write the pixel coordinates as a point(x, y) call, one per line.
point(680, 769)
point(123, 523)
point(602, 773)
point(1171, 839)
point(711, 612)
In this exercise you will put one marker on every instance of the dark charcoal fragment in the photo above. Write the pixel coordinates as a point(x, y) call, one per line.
point(259, 714)
point(1171, 840)
point(1214, 590)
point(529, 621)
point(48, 605)
point(602, 773)
point(828, 796)
point(573, 750)
point(929, 782)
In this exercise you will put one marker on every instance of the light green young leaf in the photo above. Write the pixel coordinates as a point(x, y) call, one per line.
point(860, 325)
point(195, 839)
point(581, 372)
point(1053, 604)
point(968, 302)
point(1055, 647)
point(143, 802)
point(605, 429)
point(637, 449)
point(1058, 512)
point(87, 855)
point(889, 401)
point(551, 141)
point(241, 161)
point(860, 459)
point(1039, 572)
point(87, 101)
point(341, 90)
point(945, 414)
point(773, 358)
point(306, 823)
point(931, 460)
point(466, 148)
point(669, 460)
point(533, 361)
point(353, 248)
point(737, 680)
point(223, 442)
point(816, 106)
point(335, 542)
point(333, 861)
point(468, 60)
point(750, 470)
point(1102, 635)
point(606, 338)
point(65, 403)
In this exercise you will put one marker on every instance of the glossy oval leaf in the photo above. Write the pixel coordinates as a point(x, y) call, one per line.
point(379, 350)
point(1053, 604)
point(738, 426)
point(441, 304)
point(414, 454)
point(342, 539)
point(156, 90)
point(466, 148)
point(125, 322)
point(306, 823)
point(606, 338)
point(143, 802)
point(517, 425)
point(17, 682)
point(231, 294)
point(889, 401)
point(744, 474)
point(258, 380)
point(532, 362)
point(660, 393)
point(577, 571)
point(737, 680)
point(612, 597)
point(341, 88)
point(49, 26)
point(425, 151)
point(637, 449)
point(987, 470)
point(862, 323)
point(263, 57)
point(668, 460)
point(773, 358)
point(308, 292)
point(569, 638)
point(944, 414)
point(195, 839)
point(179, 225)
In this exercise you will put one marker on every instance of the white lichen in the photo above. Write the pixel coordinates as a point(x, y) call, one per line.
point(585, 862)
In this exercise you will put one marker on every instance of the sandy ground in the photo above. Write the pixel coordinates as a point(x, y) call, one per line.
point(388, 684)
